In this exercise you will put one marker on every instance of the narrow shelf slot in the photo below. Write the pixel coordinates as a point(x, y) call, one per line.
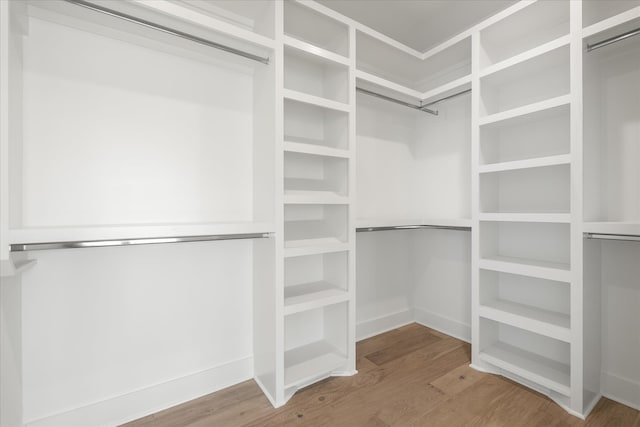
point(306, 364)
point(309, 296)
point(546, 372)
point(526, 354)
point(321, 127)
point(542, 269)
point(316, 101)
point(314, 149)
point(314, 51)
point(544, 322)
point(527, 113)
point(313, 179)
point(536, 162)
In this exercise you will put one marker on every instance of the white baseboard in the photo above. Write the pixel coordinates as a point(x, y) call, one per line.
point(620, 389)
point(372, 327)
point(140, 403)
point(443, 324)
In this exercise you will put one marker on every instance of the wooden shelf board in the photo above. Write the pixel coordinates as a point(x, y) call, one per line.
point(314, 197)
point(612, 227)
point(546, 372)
point(538, 162)
point(526, 217)
point(620, 19)
point(389, 87)
point(543, 322)
point(315, 247)
point(317, 101)
point(528, 112)
point(311, 50)
point(525, 267)
point(308, 363)
point(308, 296)
point(532, 54)
point(133, 231)
point(318, 150)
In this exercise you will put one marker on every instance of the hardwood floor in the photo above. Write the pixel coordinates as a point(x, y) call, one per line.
point(411, 376)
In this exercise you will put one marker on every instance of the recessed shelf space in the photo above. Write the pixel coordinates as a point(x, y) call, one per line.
point(132, 164)
point(543, 190)
point(315, 75)
point(315, 281)
point(545, 245)
point(597, 11)
point(537, 305)
point(315, 344)
point(304, 24)
point(536, 140)
point(611, 132)
point(540, 359)
point(315, 225)
point(532, 26)
point(315, 179)
point(538, 79)
point(412, 70)
point(312, 125)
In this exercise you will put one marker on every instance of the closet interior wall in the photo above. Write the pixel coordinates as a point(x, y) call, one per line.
point(538, 145)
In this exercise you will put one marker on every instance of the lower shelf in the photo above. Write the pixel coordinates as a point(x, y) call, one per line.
point(304, 365)
point(546, 372)
point(308, 296)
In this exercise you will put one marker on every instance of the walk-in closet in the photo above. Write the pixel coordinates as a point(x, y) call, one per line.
point(296, 198)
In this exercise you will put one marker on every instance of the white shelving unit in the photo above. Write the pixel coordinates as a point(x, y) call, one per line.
point(96, 146)
point(313, 328)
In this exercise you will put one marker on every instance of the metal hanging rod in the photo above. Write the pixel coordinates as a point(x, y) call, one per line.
point(612, 40)
point(622, 237)
point(413, 227)
point(421, 107)
point(167, 30)
point(397, 101)
point(24, 247)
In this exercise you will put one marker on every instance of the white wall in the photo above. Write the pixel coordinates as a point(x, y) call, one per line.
point(132, 330)
point(621, 322)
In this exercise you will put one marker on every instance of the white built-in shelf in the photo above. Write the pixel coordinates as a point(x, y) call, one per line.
point(309, 296)
point(389, 88)
point(618, 23)
point(529, 112)
point(134, 231)
point(450, 88)
point(311, 51)
point(535, 53)
point(311, 362)
point(526, 217)
point(525, 267)
point(549, 323)
point(631, 228)
point(297, 197)
point(402, 222)
point(318, 150)
point(314, 246)
point(203, 19)
point(537, 162)
point(317, 101)
point(541, 370)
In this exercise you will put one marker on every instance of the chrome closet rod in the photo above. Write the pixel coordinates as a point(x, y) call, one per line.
point(24, 247)
point(606, 236)
point(412, 227)
point(397, 101)
point(612, 40)
point(168, 30)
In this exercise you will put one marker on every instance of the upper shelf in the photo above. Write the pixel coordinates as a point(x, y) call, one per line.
point(598, 16)
point(315, 29)
point(525, 29)
point(631, 228)
point(399, 222)
point(409, 73)
point(240, 26)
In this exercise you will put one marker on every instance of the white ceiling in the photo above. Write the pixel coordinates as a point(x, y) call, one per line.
point(420, 24)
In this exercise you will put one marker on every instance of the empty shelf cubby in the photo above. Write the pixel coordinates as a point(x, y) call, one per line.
point(314, 225)
point(313, 178)
point(309, 124)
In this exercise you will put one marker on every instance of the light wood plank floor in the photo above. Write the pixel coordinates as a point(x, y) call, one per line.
point(411, 376)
